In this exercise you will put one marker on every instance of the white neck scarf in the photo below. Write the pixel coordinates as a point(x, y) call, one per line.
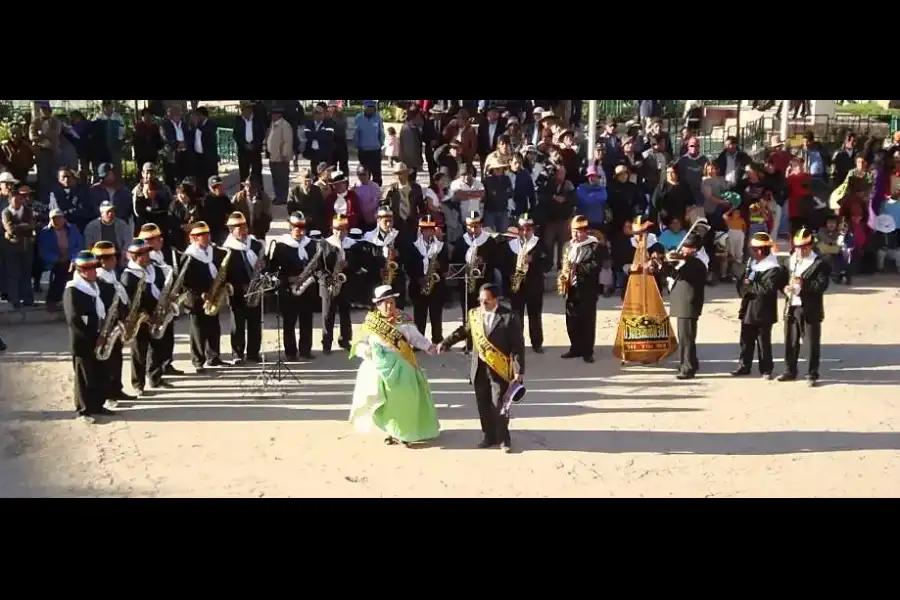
point(335, 240)
point(340, 204)
point(137, 270)
point(515, 244)
point(765, 264)
point(157, 258)
point(798, 266)
point(110, 277)
point(383, 240)
point(428, 251)
point(474, 242)
point(288, 240)
point(232, 243)
point(91, 289)
point(204, 256)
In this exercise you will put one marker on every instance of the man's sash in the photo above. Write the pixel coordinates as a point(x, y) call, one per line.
point(384, 329)
point(488, 352)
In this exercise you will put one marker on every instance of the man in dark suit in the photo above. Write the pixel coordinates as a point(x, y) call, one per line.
point(319, 138)
point(499, 361)
point(249, 133)
point(176, 137)
point(205, 146)
point(686, 302)
point(490, 129)
point(805, 310)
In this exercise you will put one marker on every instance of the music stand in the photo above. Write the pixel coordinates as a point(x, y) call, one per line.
point(277, 372)
point(460, 272)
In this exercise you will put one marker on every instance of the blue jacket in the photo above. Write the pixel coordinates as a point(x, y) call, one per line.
point(48, 248)
point(369, 132)
point(591, 202)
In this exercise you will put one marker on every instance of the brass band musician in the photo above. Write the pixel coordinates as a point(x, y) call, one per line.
point(199, 280)
point(579, 283)
point(480, 253)
point(338, 258)
point(112, 289)
point(427, 265)
point(151, 234)
point(524, 267)
point(245, 267)
point(386, 244)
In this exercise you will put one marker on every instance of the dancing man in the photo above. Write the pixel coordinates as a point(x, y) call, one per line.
point(248, 258)
point(427, 267)
point(579, 283)
point(199, 279)
point(111, 289)
point(392, 394)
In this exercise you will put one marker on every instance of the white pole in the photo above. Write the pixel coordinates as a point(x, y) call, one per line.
point(785, 111)
point(592, 130)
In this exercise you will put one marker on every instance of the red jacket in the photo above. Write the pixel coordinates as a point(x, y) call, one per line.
point(425, 105)
point(354, 217)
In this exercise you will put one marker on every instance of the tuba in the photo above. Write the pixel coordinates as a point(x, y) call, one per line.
point(110, 332)
point(169, 299)
point(136, 317)
point(220, 291)
point(521, 271)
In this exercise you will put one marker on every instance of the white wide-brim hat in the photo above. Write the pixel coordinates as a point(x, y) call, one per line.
point(382, 293)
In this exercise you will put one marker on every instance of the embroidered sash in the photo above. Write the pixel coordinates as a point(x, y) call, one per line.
point(488, 352)
point(384, 329)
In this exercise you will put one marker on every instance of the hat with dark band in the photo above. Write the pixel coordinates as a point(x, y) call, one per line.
point(803, 237)
point(200, 228)
point(148, 167)
point(338, 177)
point(103, 248)
point(474, 218)
point(639, 225)
point(579, 222)
point(385, 212)
point(138, 246)
point(382, 293)
point(525, 219)
point(149, 231)
point(761, 240)
point(236, 219)
point(427, 221)
point(86, 260)
point(340, 221)
point(297, 218)
point(356, 233)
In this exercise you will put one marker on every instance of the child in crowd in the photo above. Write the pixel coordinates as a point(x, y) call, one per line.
point(854, 244)
point(391, 146)
point(737, 229)
point(828, 245)
point(671, 237)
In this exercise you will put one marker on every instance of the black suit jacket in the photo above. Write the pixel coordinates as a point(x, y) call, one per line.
point(687, 295)
point(759, 304)
point(130, 281)
point(505, 334)
point(198, 280)
point(487, 143)
point(238, 131)
point(82, 334)
point(324, 135)
point(415, 269)
point(534, 278)
point(813, 284)
point(209, 138)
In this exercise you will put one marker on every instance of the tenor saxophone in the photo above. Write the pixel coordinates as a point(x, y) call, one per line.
point(110, 332)
point(564, 279)
point(521, 269)
point(473, 272)
point(167, 306)
point(221, 290)
point(336, 279)
point(300, 283)
point(136, 317)
point(432, 277)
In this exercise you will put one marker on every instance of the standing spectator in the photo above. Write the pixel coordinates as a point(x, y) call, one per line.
point(293, 114)
point(18, 247)
point(44, 132)
point(498, 195)
point(79, 134)
point(177, 159)
point(368, 137)
point(732, 162)
point(798, 193)
point(342, 201)
point(109, 189)
point(146, 140)
point(319, 138)
point(612, 148)
point(107, 134)
point(411, 143)
point(252, 202)
point(489, 131)
point(816, 158)
point(205, 146)
point(308, 199)
point(73, 199)
point(844, 159)
point(249, 132)
point(690, 169)
point(280, 149)
point(591, 199)
point(215, 208)
point(17, 154)
point(109, 228)
point(462, 132)
point(432, 137)
point(7, 191)
point(524, 196)
point(779, 157)
point(368, 195)
point(341, 158)
point(152, 206)
point(648, 109)
point(556, 199)
point(58, 245)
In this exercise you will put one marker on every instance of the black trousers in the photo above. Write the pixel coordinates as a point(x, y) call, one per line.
point(532, 302)
point(90, 384)
point(246, 330)
point(757, 338)
point(796, 329)
point(250, 164)
point(296, 325)
point(205, 338)
point(59, 276)
point(581, 323)
point(687, 346)
point(146, 359)
point(113, 370)
point(430, 307)
point(167, 344)
point(489, 397)
point(332, 307)
point(371, 160)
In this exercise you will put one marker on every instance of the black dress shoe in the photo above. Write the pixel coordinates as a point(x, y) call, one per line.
point(389, 441)
point(588, 359)
point(121, 395)
point(571, 354)
point(538, 350)
point(237, 361)
point(787, 377)
point(162, 384)
point(486, 443)
point(326, 351)
point(740, 372)
point(215, 362)
point(307, 356)
point(105, 412)
point(170, 370)
point(291, 357)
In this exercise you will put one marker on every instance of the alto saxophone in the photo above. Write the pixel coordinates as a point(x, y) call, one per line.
point(473, 273)
point(521, 269)
point(110, 332)
point(136, 317)
point(300, 283)
point(167, 306)
point(336, 279)
point(221, 290)
point(432, 277)
point(564, 279)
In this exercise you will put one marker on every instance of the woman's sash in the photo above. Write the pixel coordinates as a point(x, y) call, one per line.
point(377, 325)
point(488, 352)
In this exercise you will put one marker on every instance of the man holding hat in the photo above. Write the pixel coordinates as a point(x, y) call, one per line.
point(58, 245)
point(525, 264)
point(805, 310)
point(198, 281)
point(758, 288)
point(248, 258)
point(338, 259)
point(686, 301)
point(579, 283)
point(296, 259)
point(308, 199)
point(111, 290)
point(481, 254)
point(387, 246)
point(427, 266)
point(392, 394)
point(85, 312)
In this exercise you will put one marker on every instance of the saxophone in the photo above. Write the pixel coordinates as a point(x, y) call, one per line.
point(169, 299)
point(300, 283)
point(220, 291)
point(521, 269)
point(390, 269)
point(136, 317)
point(335, 279)
point(564, 279)
point(473, 272)
point(110, 332)
point(432, 277)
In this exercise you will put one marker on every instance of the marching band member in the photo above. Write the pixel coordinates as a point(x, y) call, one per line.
point(497, 363)
point(387, 259)
point(365, 276)
point(758, 289)
point(199, 280)
point(686, 297)
point(337, 260)
point(526, 263)
point(85, 312)
point(248, 260)
point(110, 289)
point(427, 267)
point(147, 354)
point(805, 309)
point(480, 252)
point(151, 234)
point(290, 257)
point(579, 283)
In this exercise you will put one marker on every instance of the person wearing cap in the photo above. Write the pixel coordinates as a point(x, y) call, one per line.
point(249, 133)
point(18, 247)
point(392, 394)
point(109, 228)
point(319, 138)
point(200, 274)
point(556, 201)
point(478, 250)
point(112, 290)
point(69, 196)
point(498, 361)
point(323, 177)
point(252, 201)
point(525, 249)
point(58, 245)
point(213, 209)
point(85, 312)
point(338, 256)
point(294, 254)
point(108, 188)
point(247, 257)
point(686, 297)
point(406, 201)
point(430, 258)
point(368, 137)
point(342, 201)
point(805, 309)
point(758, 289)
point(580, 270)
point(308, 199)
point(176, 137)
point(388, 244)
point(368, 194)
point(147, 354)
point(490, 128)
